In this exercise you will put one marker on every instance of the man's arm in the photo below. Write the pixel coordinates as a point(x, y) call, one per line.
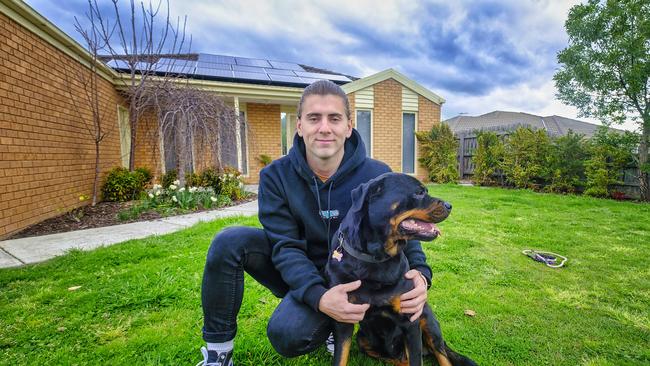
point(289, 253)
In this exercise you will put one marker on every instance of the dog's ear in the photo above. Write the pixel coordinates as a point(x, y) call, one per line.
point(358, 210)
point(359, 195)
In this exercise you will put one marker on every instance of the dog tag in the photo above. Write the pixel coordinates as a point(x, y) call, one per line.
point(337, 255)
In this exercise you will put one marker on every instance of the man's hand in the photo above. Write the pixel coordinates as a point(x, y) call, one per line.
point(413, 301)
point(335, 304)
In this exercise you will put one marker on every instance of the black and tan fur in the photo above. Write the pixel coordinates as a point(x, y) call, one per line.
point(375, 231)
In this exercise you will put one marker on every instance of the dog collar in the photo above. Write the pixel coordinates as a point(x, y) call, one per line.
point(364, 257)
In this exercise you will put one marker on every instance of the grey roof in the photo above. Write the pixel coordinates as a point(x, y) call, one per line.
point(503, 120)
point(235, 69)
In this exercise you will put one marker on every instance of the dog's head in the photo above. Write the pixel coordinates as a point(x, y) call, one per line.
point(389, 210)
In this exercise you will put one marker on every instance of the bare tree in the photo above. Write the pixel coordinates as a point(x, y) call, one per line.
point(197, 120)
point(88, 79)
point(149, 50)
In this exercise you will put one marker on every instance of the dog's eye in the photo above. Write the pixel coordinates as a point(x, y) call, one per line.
point(420, 193)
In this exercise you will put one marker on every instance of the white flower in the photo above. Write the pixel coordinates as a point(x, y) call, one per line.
point(213, 199)
point(174, 199)
point(157, 187)
point(182, 189)
point(150, 195)
point(176, 182)
point(157, 193)
point(193, 189)
point(172, 187)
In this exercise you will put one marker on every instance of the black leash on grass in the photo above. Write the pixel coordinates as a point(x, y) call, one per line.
point(548, 258)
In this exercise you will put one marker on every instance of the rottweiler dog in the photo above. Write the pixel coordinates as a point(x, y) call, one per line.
point(386, 212)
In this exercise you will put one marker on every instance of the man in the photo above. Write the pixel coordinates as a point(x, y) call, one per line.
point(302, 198)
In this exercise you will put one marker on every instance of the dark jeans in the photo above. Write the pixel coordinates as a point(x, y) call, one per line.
point(294, 328)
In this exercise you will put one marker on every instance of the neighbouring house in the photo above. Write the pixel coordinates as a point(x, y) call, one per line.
point(47, 154)
point(509, 121)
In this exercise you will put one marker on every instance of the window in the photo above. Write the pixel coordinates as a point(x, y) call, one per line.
point(408, 143)
point(125, 134)
point(364, 127)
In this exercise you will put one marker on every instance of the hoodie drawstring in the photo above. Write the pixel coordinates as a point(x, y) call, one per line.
point(320, 209)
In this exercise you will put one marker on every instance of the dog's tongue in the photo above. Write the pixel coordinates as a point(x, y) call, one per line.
point(419, 226)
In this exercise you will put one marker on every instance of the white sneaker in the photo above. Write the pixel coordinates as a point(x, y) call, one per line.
point(329, 343)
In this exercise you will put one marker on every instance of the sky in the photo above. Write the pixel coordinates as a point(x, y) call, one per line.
point(480, 56)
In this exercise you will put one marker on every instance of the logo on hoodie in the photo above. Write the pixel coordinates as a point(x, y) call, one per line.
point(331, 214)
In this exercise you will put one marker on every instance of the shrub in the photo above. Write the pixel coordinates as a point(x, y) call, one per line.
point(230, 184)
point(264, 159)
point(524, 158)
point(168, 178)
point(121, 185)
point(439, 149)
point(609, 154)
point(192, 180)
point(566, 169)
point(210, 178)
point(144, 176)
point(487, 158)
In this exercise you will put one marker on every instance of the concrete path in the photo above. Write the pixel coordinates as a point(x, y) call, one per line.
point(18, 252)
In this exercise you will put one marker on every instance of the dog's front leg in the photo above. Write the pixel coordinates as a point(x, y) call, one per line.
point(342, 341)
point(414, 344)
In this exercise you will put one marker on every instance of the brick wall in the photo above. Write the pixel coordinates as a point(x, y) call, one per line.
point(46, 152)
point(147, 146)
point(428, 115)
point(387, 124)
point(264, 136)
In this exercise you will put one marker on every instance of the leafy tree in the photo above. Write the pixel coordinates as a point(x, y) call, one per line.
point(566, 169)
point(524, 158)
point(604, 71)
point(487, 158)
point(439, 149)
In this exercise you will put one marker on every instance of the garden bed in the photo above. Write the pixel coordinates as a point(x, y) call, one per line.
point(103, 214)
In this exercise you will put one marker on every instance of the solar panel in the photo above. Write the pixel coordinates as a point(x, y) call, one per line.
point(248, 68)
point(210, 65)
point(286, 79)
point(204, 71)
point(322, 76)
point(218, 59)
point(280, 72)
point(252, 62)
point(286, 65)
point(180, 69)
point(251, 76)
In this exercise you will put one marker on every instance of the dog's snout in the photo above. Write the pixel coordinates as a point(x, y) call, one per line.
point(448, 206)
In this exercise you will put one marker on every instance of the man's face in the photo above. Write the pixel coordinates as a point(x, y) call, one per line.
point(324, 127)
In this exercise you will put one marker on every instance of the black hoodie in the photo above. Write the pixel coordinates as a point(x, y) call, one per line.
point(294, 207)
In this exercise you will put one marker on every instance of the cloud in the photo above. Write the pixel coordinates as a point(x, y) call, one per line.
point(479, 55)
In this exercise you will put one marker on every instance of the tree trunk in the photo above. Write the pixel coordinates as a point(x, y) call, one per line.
point(644, 182)
point(96, 180)
point(133, 123)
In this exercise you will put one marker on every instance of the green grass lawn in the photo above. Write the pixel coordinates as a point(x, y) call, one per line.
point(139, 302)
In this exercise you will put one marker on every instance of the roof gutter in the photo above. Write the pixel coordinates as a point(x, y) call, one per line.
point(269, 92)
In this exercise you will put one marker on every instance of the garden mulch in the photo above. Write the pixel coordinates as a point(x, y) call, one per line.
point(101, 215)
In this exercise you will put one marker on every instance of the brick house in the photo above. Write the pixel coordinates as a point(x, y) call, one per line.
point(47, 154)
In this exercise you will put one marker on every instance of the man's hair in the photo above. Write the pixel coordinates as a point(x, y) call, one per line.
point(324, 87)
